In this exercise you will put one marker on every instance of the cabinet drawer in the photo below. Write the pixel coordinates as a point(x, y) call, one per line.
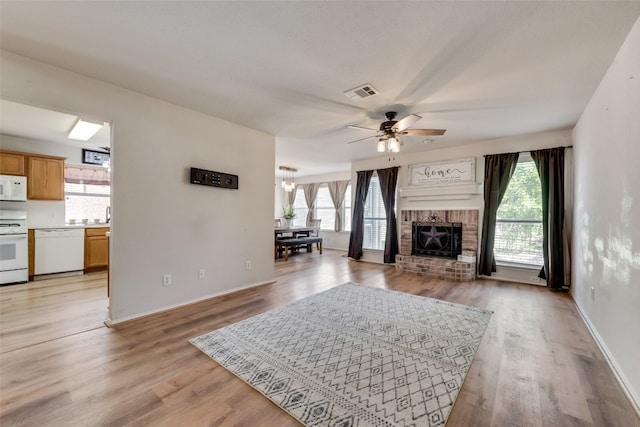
point(98, 231)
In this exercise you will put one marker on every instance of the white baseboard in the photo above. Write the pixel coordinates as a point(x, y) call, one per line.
point(617, 372)
point(511, 280)
point(108, 322)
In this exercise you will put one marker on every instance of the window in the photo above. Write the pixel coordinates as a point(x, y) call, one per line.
point(519, 218)
point(324, 209)
point(375, 217)
point(86, 201)
point(346, 222)
point(300, 206)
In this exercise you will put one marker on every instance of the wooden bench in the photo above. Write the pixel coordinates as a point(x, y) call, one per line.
point(296, 242)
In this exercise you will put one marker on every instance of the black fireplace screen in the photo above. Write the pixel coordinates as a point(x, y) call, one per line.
point(441, 239)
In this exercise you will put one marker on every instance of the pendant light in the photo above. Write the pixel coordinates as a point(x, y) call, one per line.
point(288, 183)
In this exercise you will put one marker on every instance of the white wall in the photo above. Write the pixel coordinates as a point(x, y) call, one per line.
point(161, 223)
point(477, 150)
point(606, 264)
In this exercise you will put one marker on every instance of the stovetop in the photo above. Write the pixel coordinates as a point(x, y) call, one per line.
point(13, 222)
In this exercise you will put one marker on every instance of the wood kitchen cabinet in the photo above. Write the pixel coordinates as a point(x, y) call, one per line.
point(45, 177)
point(45, 174)
point(12, 163)
point(96, 249)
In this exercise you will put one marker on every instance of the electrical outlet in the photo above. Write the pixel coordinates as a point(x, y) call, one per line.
point(166, 279)
point(593, 293)
point(201, 274)
point(247, 265)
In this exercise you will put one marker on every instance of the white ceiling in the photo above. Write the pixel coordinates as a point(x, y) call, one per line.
point(31, 122)
point(479, 69)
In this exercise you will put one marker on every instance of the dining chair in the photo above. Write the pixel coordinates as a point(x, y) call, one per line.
point(315, 223)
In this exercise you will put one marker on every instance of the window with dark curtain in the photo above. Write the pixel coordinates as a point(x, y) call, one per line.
point(388, 180)
point(550, 165)
point(498, 170)
point(375, 217)
point(357, 223)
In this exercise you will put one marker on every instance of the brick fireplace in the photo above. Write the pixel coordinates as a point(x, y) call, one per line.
point(442, 268)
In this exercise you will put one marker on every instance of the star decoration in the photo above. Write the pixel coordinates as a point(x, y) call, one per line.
point(433, 235)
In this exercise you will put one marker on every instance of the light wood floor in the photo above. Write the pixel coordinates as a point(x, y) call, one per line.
point(59, 366)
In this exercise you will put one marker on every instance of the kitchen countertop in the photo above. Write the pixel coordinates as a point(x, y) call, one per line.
point(81, 225)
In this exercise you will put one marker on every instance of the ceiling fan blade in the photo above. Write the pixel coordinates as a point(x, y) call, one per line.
point(423, 132)
point(362, 139)
point(360, 127)
point(406, 122)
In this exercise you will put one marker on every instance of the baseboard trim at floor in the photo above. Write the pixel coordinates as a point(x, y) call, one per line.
point(58, 275)
point(109, 322)
point(617, 372)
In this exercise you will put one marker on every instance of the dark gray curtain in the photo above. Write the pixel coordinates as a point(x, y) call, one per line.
point(388, 179)
point(357, 222)
point(550, 165)
point(498, 170)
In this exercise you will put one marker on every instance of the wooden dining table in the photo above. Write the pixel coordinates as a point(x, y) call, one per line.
point(293, 231)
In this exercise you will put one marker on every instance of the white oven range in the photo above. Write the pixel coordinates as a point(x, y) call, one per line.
point(14, 252)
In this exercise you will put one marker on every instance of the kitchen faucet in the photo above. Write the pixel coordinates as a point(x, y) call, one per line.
point(108, 214)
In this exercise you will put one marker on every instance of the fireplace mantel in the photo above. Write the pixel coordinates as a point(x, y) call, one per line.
point(441, 192)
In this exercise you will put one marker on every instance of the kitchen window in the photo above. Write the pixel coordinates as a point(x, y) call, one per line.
point(84, 201)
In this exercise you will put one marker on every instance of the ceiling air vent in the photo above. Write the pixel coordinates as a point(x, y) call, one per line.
point(361, 92)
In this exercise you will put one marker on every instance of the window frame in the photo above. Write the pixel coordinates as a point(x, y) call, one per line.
point(324, 225)
point(301, 222)
point(71, 190)
point(501, 260)
point(375, 182)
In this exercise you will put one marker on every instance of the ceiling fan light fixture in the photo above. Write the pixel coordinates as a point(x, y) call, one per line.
point(389, 132)
point(393, 145)
point(84, 130)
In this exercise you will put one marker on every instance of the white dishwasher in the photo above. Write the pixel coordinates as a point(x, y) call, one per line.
point(58, 250)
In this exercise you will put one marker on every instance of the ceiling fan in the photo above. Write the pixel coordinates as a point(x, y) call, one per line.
point(389, 131)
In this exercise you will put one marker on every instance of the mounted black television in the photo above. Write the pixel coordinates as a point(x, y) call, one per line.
point(91, 157)
point(439, 239)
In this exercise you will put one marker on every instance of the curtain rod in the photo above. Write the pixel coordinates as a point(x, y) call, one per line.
point(528, 151)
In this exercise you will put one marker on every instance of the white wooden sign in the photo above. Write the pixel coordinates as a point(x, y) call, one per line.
point(460, 171)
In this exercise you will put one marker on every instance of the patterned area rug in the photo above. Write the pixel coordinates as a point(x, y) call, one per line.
point(355, 356)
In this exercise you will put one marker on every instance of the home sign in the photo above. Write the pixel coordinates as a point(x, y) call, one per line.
point(460, 171)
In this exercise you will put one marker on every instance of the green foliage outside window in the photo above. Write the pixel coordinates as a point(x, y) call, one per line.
point(519, 219)
point(523, 199)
